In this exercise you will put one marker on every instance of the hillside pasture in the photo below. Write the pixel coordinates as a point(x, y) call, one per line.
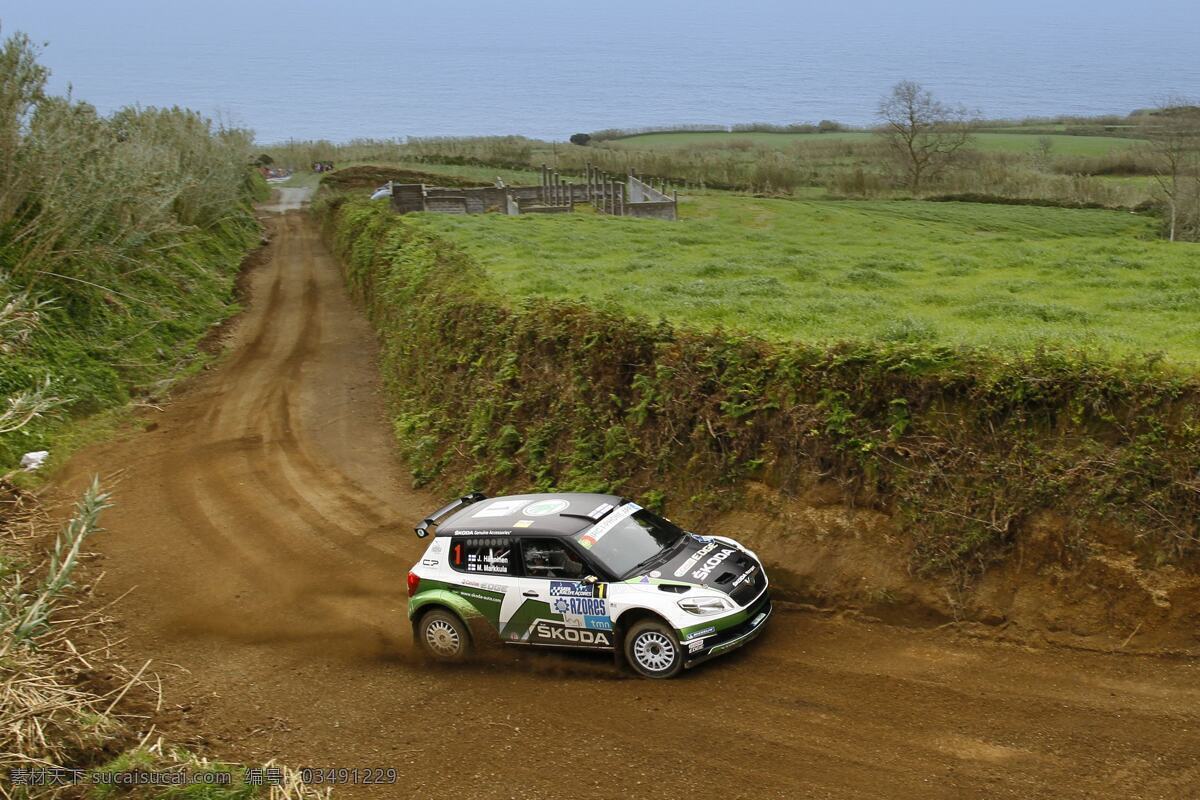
point(1062, 144)
point(1008, 277)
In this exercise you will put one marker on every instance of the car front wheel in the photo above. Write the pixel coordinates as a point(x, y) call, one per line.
point(652, 651)
point(443, 636)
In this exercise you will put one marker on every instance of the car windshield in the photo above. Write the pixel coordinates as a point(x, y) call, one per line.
point(629, 537)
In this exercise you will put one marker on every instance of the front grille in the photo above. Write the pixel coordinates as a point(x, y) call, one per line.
point(750, 588)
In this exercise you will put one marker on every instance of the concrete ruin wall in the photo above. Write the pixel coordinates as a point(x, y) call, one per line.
point(647, 201)
point(447, 204)
point(663, 209)
point(630, 196)
point(479, 199)
point(529, 193)
point(642, 192)
point(408, 198)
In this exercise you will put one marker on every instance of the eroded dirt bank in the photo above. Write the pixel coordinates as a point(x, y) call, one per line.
point(263, 527)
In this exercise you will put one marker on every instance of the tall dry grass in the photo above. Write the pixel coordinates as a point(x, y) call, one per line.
point(84, 197)
point(45, 717)
point(101, 219)
point(118, 235)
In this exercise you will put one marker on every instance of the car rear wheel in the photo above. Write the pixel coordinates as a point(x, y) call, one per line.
point(443, 636)
point(652, 651)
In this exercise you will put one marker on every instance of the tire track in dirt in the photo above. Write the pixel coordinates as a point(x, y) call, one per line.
point(265, 529)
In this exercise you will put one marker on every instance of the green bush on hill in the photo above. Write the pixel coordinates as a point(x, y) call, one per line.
point(120, 237)
point(962, 446)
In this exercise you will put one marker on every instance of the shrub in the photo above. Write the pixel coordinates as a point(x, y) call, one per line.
point(119, 237)
point(963, 447)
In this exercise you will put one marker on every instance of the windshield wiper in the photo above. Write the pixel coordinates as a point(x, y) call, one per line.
point(661, 555)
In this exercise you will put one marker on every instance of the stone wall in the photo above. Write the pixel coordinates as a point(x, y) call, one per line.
point(631, 197)
point(479, 199)
point(664, 209)
point(408, 198)
point(447, 204)
point(647, 201)
point(642, 192)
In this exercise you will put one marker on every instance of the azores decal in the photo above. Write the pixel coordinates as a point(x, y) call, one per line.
point(580, 605)
point(590, 613)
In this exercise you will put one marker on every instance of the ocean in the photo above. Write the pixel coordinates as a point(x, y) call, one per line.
point(387, 69)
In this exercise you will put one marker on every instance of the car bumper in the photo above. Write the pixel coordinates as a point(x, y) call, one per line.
point(731, 639)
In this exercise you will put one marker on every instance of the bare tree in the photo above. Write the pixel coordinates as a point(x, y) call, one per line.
point(922, 132)
point(1173, 133)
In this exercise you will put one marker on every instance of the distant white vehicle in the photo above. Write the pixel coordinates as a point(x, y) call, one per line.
point(382, 192)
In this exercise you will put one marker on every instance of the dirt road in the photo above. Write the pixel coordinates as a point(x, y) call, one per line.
point(264, 527)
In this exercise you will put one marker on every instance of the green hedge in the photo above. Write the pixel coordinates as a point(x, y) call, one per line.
point(960, 446)
point(99, 345)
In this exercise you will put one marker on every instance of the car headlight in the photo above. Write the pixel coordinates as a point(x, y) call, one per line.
point(705, 605)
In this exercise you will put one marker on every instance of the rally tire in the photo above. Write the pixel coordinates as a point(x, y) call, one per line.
point(443, 636)
point(652, 650)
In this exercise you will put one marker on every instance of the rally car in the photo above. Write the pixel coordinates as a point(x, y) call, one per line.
point(588, 571)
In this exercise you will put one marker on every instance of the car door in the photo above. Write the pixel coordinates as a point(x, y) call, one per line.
point(561, 609)
point(485, 573)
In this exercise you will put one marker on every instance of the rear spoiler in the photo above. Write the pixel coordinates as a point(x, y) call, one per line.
point(422, 530)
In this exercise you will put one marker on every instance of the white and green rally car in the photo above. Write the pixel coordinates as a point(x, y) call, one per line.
point(586, 571)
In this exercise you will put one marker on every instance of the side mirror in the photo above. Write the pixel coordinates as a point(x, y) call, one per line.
point(589, 580)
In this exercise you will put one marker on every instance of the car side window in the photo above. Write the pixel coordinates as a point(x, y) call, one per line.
point(550, 558)
point(490, 555)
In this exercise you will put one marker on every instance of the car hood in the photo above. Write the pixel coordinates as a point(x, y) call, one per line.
point(715, 564)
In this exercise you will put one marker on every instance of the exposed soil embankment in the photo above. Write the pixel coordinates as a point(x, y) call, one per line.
point(1050, 494)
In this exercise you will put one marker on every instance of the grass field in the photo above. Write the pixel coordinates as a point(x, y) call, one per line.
point(485, 175)
point(1006, 276)
point(1065, 145)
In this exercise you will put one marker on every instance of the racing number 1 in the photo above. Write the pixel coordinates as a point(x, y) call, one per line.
point(458, 555)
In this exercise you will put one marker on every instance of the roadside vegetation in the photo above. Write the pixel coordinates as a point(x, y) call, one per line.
point(1023, 347)
point(120, 240)
point(963, 446)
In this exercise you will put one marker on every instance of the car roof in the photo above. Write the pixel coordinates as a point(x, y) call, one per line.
point(547, 514)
